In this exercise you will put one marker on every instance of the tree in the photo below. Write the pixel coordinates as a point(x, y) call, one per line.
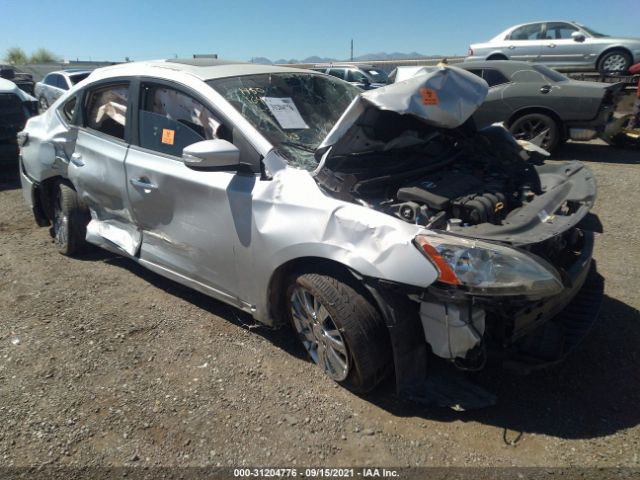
point(42, 55)
point(16, 56)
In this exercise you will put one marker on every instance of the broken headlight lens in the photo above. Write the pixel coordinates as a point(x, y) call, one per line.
point(484, 268)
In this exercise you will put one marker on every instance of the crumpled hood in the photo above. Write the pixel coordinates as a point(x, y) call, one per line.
point(444, 98)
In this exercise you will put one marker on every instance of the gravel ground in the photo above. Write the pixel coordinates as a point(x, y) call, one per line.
point(103, 363)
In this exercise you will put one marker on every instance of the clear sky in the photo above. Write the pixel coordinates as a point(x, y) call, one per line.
point(242, 29)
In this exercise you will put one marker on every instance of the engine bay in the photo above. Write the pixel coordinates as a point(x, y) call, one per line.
point(449, 181)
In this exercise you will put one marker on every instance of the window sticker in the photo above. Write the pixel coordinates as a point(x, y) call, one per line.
point(286, 112)
point(168, 136)
point(429, 96)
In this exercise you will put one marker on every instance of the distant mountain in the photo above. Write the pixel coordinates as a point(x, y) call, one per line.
point(361, 58)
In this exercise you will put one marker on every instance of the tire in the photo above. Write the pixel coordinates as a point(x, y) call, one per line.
point(43, 105)
point(533, 125)
point(614, 62)
point(497, 57)
point(333, 317)
point(70, 220)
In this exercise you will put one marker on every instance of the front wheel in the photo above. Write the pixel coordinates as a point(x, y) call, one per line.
point(537, 128)
point(70, 219)
point(615, 62)
point(342, 332)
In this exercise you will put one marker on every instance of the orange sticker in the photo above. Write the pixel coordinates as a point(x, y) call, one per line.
point(168, 136)
point(429, 96)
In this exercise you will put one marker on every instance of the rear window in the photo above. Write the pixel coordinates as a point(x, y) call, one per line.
point(106, 110)
point(549, 73)
point(77, 78)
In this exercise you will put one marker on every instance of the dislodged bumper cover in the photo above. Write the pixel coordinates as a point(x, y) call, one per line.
point(444, 98)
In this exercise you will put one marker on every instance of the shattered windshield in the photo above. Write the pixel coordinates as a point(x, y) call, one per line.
point(376, 76)
point(294, 111)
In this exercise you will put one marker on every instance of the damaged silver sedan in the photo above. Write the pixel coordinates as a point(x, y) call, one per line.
point(382, 225)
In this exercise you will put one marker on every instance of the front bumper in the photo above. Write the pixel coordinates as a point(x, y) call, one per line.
point(538, 333)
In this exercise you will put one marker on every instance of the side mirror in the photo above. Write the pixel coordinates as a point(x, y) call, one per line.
point(211, 154)
point(366, 81)
point(578, 36)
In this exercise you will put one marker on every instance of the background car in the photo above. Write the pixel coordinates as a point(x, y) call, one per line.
point(537, 103)
point(16, 106)
point(561, 45)
point(362, 76)
point(55, 84)
point(23, 80)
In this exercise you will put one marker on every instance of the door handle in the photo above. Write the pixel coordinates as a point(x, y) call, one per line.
point(551, 45)
point(76, 159)
point(511, 47)
point(143, 183)
point(545, 89)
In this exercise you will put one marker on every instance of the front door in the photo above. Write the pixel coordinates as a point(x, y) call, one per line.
point(559, 49)
point(189, 218)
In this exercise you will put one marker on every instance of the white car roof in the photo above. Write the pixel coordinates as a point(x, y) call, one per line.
point(204, 69)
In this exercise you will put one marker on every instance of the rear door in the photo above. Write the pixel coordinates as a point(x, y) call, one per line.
point(525, 43)
point(189, 219)
point(96, 167)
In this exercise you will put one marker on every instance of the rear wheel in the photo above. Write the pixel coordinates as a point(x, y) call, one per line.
point(537, 128)
point(70, 219)
point(615, 62)
point(340, 329)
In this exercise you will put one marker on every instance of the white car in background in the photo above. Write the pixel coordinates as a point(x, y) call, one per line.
point(561, 45)
point(55, 84)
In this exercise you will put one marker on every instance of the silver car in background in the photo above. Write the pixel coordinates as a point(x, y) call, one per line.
point(55, 84)
point(561, 45)
point(379, 224)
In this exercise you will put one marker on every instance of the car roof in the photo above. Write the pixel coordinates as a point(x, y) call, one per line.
point(70, 72)
point(202, 68)
point(509, 66)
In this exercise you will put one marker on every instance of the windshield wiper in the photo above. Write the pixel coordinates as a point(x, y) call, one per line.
point(299, 146)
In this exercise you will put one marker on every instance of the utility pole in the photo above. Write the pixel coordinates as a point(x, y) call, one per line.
point(352, 49)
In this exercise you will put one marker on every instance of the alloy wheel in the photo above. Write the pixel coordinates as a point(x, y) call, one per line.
point(319, 334)
point(60, 223)
point(536, 130)
point(614, 63)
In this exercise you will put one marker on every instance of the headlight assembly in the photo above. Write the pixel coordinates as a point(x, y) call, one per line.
point(484, 268)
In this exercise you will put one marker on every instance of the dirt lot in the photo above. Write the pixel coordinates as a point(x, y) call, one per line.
point(104, 363)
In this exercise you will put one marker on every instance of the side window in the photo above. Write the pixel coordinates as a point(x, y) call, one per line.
point(527, 32)
point(61, 82)
point(355, 76)
point(51, 79)
point(69, 108)
point(494, 77)
point(560, 31)
point(106, 109)
point(336, 72)
point(170, 120)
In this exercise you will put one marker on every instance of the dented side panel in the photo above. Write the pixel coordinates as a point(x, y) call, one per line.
point(292, 218)
point(96, 169)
